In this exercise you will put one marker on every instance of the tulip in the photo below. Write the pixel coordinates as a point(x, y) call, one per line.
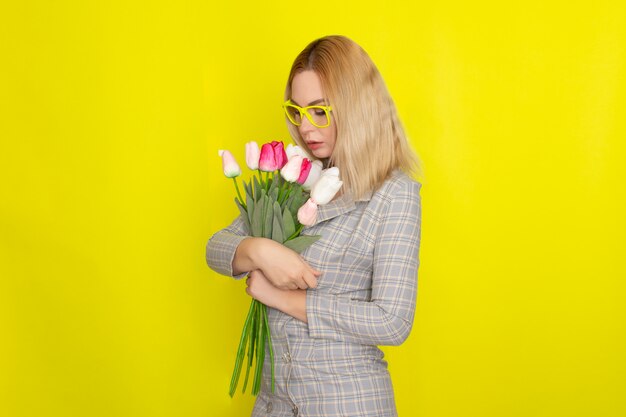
point(229, 165)
point(292, 150)
point(326, 186)
point(322, 192)
point(307, 213)
point(273, 156)
point(314, 174)
point(291, 171)
point(305, 169)
point(252, 155)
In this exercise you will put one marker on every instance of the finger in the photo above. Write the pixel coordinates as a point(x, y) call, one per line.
point(302, 284)
point(310, 280)
point(314, 271)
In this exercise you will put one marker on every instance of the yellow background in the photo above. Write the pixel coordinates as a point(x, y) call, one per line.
point(111, 115)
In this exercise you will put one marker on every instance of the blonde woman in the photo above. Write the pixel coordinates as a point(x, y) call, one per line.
point(355, 288)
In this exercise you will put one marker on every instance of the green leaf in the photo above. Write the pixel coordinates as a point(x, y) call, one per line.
point(244, 214)
point(273, 194)
point(268, 214)
point(300, 243)
point(287, 203)
point(257, 219)
point(250, 209)
point(277, 227)
point(257, 188)
point(289, 226)
point(247, 186)
point(297, 199)
point(274, 184)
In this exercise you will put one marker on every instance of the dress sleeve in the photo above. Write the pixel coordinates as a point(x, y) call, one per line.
point(221, 248)
point(388, 318)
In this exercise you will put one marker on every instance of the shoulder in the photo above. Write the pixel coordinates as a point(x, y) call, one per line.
point(399, 195)
point(398, 187)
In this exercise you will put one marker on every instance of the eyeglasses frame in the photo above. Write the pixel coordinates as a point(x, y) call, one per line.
point(303, 110)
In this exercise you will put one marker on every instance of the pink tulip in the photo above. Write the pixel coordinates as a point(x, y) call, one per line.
point(273, 157)
point(307, 214)
point(279, 154)
point(314, 175)
point(305, 168)
point(291, 171)
point(252, 155)
point(229, 165)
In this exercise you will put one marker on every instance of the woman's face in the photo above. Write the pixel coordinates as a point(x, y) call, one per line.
point(306, 90)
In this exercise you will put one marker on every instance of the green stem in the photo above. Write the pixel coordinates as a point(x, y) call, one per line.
point(243, 203)
point(296, 233)
point(260, 350)
point(241, 352)
point(281, 190)
point(269, 342)
point(286, 196)
point(253, 339)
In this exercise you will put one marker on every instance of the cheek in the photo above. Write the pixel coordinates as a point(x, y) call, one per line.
point(331, 136)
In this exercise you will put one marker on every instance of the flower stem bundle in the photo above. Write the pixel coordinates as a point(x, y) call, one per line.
point(270, 208)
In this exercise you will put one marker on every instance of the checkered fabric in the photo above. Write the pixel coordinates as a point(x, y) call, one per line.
point(369, 257)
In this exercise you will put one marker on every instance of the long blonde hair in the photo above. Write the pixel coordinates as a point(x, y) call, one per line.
point(370, 142)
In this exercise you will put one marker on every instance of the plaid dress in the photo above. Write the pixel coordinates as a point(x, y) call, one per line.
point(366, 295)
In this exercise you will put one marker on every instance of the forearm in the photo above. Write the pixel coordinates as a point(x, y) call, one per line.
point(293, 302)
point(245, 255)
point(221, 247)
point(365, 322)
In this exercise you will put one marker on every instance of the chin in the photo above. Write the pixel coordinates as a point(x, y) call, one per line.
point(320, 153)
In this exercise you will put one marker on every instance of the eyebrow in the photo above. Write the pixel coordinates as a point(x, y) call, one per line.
point(314, 102)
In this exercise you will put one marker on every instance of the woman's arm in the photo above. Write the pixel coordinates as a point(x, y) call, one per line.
point(230, 252)
point(292, 302)
point(388, 318)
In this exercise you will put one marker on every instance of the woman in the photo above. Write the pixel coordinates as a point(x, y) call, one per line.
point(356, 287)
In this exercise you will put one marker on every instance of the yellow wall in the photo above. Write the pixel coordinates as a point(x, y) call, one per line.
point(111, 115)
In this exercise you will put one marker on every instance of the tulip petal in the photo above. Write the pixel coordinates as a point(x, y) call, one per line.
point(305, 168)
point(291, 171)
point(307, 214)
point(252, 155)
point(229, 164)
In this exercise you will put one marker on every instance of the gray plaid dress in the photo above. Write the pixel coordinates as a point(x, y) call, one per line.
point(365, 297)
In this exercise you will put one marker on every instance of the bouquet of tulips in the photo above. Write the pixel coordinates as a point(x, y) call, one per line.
point(275, 206)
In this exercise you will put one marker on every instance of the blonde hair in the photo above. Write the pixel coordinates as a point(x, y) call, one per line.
point(370, 142)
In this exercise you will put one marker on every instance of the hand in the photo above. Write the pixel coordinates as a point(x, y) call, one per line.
point(261, 289)
point(292, 302)
point(283, 267)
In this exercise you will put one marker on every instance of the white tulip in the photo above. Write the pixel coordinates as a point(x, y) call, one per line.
point(326, 186)
point(291, 171)
point(292, 150)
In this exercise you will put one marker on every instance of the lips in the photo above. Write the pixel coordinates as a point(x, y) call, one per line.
point(314, 145)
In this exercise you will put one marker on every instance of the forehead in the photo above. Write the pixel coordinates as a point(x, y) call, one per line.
point(306, 87)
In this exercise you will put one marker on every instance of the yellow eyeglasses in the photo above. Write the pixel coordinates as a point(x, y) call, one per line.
point(319, 116)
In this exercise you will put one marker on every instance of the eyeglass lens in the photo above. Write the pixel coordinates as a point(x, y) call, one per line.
point(317, 115)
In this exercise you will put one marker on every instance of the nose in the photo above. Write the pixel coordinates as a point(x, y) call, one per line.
point(305, 126)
